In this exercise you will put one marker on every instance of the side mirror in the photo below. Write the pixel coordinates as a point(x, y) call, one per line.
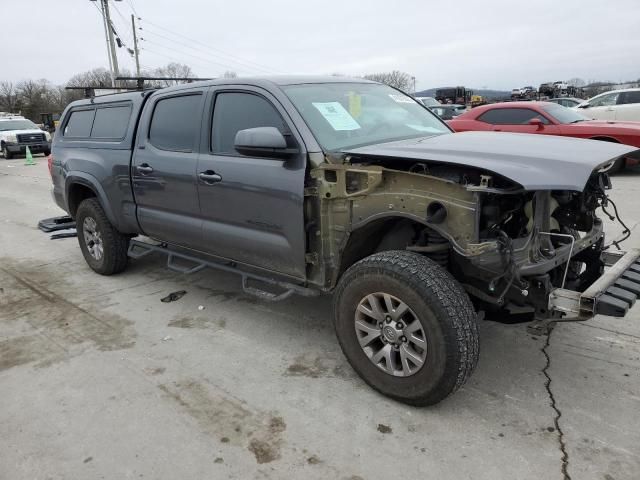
point(537, 122)
point(261, 141)
point(584, 105)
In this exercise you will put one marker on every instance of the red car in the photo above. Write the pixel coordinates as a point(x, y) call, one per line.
point(548, 119)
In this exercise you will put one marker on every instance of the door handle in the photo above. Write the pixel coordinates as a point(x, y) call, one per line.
point(209, 177)
point(144, 169)
point(497, 129)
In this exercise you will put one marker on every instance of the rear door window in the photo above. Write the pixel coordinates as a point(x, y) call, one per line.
point(630, 97)
point(111, 122)
point(510, 116)
point(175, 124)
point(79, 124)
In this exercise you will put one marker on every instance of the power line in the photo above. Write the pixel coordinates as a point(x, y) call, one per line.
point(174, 59)
point(124, 21)
point(244, 63)
point(229, 66)
point(209, 47)
point(130, 2)
point(188, 54)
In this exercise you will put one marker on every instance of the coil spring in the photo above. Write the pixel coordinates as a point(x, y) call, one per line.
point(434, 238)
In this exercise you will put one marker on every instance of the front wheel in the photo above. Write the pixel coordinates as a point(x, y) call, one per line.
point(103, 247)
point(6, 153)
point(406, 326)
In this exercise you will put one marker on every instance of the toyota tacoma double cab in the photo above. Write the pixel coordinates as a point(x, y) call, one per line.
point(17, 133)
point(330, 185)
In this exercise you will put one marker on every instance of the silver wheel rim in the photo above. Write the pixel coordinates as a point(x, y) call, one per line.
point(92, 238)
point(390, 334)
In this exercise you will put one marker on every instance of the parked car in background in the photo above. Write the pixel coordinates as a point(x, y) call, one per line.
point(17, 133)
point(568, 102)
point(428, 101)
point(448, 112)
point(548, 119)
point(614, 105)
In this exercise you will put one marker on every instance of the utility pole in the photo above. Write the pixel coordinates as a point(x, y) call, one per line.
point(135, 45)
point(112, 47)
point(106, 37)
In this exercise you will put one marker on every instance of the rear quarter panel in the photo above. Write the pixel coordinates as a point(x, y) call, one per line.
point(102, 165)
point(608, 131)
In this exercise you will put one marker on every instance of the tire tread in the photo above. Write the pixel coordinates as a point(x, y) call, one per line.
point(425, 276)
point(116, 245)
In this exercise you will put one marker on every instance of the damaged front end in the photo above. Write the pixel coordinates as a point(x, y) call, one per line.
point(524, 250)
point(536, 247)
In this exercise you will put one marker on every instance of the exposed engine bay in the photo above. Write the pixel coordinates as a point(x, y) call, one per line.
point(508, 246)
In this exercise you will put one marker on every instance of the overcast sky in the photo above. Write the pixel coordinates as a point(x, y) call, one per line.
point(490, 43)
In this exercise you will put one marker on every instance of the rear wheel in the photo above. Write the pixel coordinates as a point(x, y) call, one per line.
point(103, 247)
point(406, 326)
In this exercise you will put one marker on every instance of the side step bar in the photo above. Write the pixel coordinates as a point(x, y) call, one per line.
point(613, 294)
point(139, 249)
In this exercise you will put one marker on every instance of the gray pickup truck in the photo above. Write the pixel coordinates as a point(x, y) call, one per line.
point(331, 185)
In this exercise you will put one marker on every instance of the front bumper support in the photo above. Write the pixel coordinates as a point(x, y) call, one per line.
point(613, 294)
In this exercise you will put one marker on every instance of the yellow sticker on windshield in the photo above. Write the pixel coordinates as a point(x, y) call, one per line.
point(355, 104)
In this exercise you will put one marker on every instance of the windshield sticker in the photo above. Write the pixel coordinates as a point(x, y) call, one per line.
point(355, 104)
point(400, 98)
point(422, 128)
point(336, 115)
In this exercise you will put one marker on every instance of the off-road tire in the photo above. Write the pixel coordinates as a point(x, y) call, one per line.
point(6, 153)
point(440, 304)
point(115, 244)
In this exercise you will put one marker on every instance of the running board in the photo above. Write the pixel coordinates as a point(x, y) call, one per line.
point(138, 249)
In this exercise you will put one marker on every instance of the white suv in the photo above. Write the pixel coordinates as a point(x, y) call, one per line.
point(17, 133)
point(614, 105)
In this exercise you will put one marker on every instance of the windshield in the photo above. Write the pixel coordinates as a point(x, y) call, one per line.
point(563, 114)
point(347, 115)
point(17, 125)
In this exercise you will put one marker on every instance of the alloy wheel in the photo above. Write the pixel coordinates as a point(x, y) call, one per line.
point(390, 334)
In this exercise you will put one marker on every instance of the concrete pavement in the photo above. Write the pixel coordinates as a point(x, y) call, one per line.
point(99, 379)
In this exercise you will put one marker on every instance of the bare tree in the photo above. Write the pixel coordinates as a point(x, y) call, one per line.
point(34, 97)
point(229, 74)
point(98, 77)
point(171, 70)
point(397, 79)
point(576, 82)
point(9, 99)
